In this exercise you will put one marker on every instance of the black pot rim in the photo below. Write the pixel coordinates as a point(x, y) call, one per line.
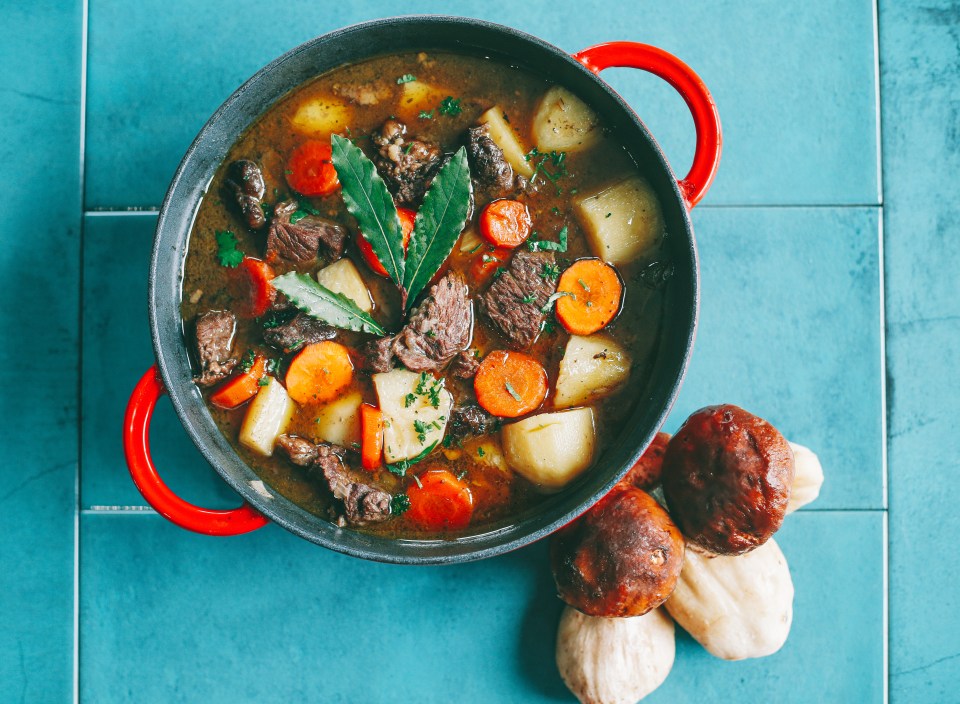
point(172, 238)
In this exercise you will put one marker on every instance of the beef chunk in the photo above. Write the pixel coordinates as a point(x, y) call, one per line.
point(470, 420)
point(465, 364)
point(406, 166)
point(300, 241)
point(244, 182)
point(513, 304)
point(438, 329)
point(489, 167)
point(296, 332)
point(369, 93)
point(362, 503)
point(214, 332)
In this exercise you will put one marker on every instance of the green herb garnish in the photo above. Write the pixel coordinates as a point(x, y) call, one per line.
point(547, 246)
point(246, 362)
point(480, 451)
point(529, 298)
point(400, 468)
point(321, 303)
point(583, 285)
point(406, 78)
point(409, 400)
point(264, 381)
point(426, 114)
point(399, 505)
point(450, 106)
point(227, 251)
point(512, 391)
point(550, 272)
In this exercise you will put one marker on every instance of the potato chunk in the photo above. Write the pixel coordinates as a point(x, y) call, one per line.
point(417, 97)
point(342, 277)
point(622, 221)
point(338, 422)
point(412, 423)
point(563, 122)
point(268, 416)
point(551, 449)
point(502, 133)
point(322, 116)
point(591, 367)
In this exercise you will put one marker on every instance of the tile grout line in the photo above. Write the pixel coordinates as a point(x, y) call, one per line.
point(84, 37)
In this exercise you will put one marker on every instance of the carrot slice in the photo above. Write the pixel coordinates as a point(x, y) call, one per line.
point(407, 218)
point(240, 388)
point(505, 223)
point(310, 170)
point(485, 263)
point(510, 384)
point(371, 436)
point(319, 372)
point(595, 293)
point(439, 501)
point(253, 288)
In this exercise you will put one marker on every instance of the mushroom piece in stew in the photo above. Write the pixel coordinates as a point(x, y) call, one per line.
point(423, 292)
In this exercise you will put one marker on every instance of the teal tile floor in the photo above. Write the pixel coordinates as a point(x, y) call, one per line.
point(826, 307)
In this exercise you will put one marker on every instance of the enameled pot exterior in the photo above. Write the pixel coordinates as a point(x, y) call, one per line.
point(172, 373)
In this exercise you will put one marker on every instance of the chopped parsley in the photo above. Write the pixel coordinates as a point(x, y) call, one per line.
point(421, 428)
point(583, 285)
point(422, 383)
point(556, 160)
point(406, 78)
point(549, 327)
point(529, 298)
point(450, 106)
point(409, 400)
point(535, 245)
point(555, 210)
point(426, 115)
point(430, 333)
point(433, 395)
point(227, 251)
point(400, 468)
point(480, 451)
point(608, 215)
point(461, 474)
point(512, 391)
point(399, 505)
point(264, 381)
point(304, 208)
point(272, 366)
point(550, 272)
point(246, 362)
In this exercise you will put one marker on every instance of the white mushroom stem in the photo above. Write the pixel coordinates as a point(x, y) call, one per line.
point(614, 660)
point(807, 477)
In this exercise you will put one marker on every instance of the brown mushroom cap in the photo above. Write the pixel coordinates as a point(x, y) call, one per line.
point(621, 558)
point(727, 477)
point(645, 474)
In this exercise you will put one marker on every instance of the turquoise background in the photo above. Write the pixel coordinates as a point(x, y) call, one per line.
point(830, 251)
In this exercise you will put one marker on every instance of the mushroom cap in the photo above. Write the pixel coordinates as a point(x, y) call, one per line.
point(621, 558)
point(645, 474)
point(726, 478)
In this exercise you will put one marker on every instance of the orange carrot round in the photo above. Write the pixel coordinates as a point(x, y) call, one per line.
point(485, 263)
point(371, 436)
point(594, 294)
point(319, 372)
point(253, 289)
point(407, 218)
point(310, 170)
point(240, 388)
point(439, 501)
point(505, 223)
point(510, 384)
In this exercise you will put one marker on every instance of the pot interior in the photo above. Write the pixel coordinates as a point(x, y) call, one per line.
point(354, 44)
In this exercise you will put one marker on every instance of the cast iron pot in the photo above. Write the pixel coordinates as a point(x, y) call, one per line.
point(172, 373)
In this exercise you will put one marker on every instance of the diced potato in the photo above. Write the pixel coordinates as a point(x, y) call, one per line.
point(502, 133)
point(338, 422)
point(591, 367)
point(322, 116)
point(342, 277)
point(563, 122)
point(267, 417)
point(551, 449)
point(487, 450)
point(411, 422)
point(417, 97)
point(622, 221)
point(470, 241)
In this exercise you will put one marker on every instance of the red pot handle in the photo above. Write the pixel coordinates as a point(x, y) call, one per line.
point(695, 184)
point(136, 446)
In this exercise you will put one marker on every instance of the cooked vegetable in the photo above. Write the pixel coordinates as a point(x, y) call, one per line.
point(322, 116)
point(735, 606)
point(620, 558)
point(645, 473)
point(438, 224)
point(321, 303)
point(510, 384)
point(487, 450)
point(418, 97)
point(319, 372)
point(591, 368)
point(564, 122)
point(255, 291)
point(342, 277)
point(338, 422)
point(310, 170)
point(807, 477)
point(371, 432)
point(369, 201)
point(551, 449)
point(622, 221)
point(595, 296)
point(415, 409)
point(505, 223)
point(502, 133)
point(614, 660)
point(470, 241)
point(485, 263)
point(439, 501)
point(406, 226)
point(240, 388)
point(267, 417)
